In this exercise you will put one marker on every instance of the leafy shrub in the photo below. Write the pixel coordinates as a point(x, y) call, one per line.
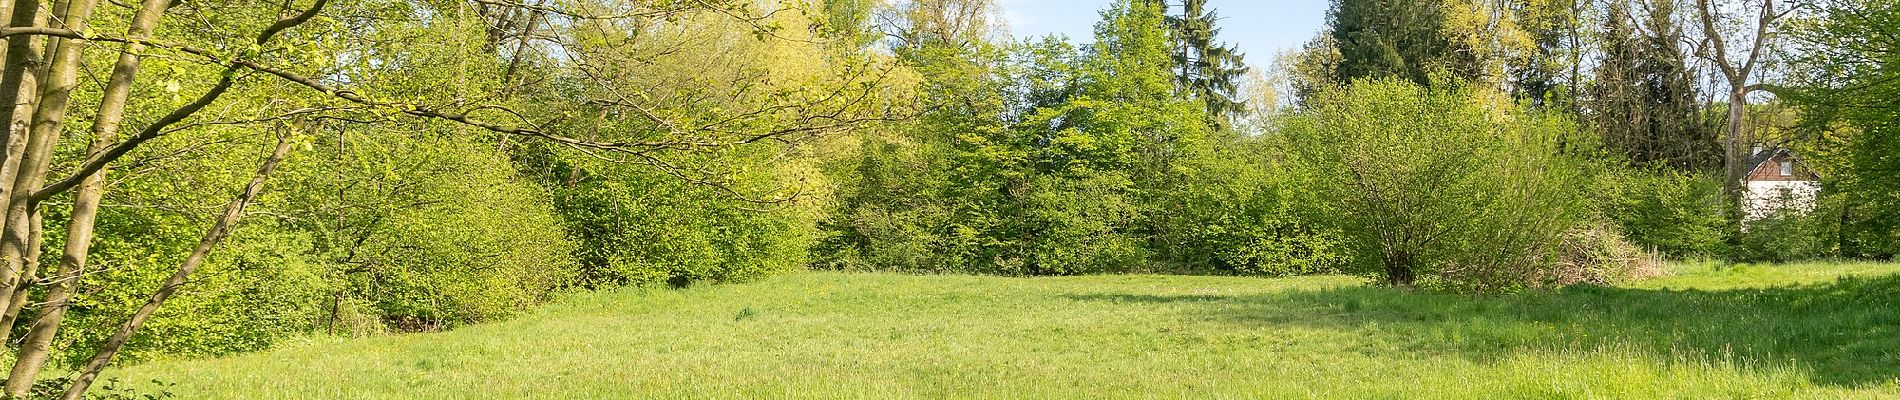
point(426, 232)
point(639, 227)
point(907, 206)
point(1783, 236)
point(905, 211)
point(1279, 245)
point(1429, 186)
point(1678, 214)
point(1074, 227)
point(1861, 228)
point(1237, 207)
point(1048, 163)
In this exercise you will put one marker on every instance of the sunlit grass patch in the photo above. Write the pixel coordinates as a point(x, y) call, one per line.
point(1704, 333)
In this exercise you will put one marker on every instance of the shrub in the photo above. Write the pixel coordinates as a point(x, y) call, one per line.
point(1237, 209)
point(1785, 235)
point(1074, 226)
point(640, 227)
point(1430, 186)
point(427, 232)
point(1678, 214)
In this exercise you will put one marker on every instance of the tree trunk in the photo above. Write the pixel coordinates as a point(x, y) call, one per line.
point(27, 276)
point(1398, 271)
point(1734, 144)
point(232, 212)
point(48, 117)
point(10, 93)
point(105, 128)
point(1736, 75)
point(19, 86)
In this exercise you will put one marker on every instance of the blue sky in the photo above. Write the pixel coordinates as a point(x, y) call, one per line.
point(1260, 28)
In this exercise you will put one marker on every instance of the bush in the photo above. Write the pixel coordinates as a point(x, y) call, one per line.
point(1431, 187)
point(907, 209)
point(910, 206)
point(422, 233)
point(402, 232)
point(1238, 210)
point(1678, 214)
point(1074, 226)
point(638, 227)
point(1861, 228)
point(1786, 235)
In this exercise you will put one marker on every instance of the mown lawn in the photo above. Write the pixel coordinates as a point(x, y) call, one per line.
point(1796, 331)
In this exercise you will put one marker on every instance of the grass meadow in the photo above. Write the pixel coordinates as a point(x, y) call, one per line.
point(1804, 331)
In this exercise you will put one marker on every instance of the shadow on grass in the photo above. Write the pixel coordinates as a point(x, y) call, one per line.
point(1846, 332)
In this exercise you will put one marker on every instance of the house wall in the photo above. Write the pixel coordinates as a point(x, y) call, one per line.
point(1764, 197)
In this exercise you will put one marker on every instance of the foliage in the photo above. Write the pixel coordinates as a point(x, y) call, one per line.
point(1058, 162)
point(1678, 214)
point(1240, 215)
point(1430, 186)
point(451, 164)
point(1844, 80)
point(1206, 70)
point(264, 287)
point(1643, 102)
point(636, 227)
point(461, 162)
point(1788, 234)
point(428, 232)
point(1404, 39)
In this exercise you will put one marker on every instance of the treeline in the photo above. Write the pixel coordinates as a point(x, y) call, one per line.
point(1045, 157)
point(359, 166)
point(1465, 144)
point(1129, 154)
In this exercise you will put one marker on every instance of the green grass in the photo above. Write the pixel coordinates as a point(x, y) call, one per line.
point(1796, 331)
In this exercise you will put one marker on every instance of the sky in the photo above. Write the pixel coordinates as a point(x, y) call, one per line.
point(1260, 28)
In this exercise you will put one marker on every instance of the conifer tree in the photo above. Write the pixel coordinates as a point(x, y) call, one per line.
point(1206, 70)
point(1396, 38)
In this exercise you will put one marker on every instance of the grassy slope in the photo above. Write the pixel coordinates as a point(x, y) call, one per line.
point(1769, 332)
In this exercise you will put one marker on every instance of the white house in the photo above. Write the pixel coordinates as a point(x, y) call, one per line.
point(1778, 180)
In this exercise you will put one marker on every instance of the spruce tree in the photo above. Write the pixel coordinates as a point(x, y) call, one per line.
point(1206, 70)
point(1396, 38)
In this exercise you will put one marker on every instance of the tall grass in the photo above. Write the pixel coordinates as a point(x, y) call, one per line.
point(1792, 331)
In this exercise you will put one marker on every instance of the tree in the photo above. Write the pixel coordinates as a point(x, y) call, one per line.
point(1738, 69)
point(1544, 75)
point(1206, 70)
point(1643, 102)
point(1844, 80)
point(36, 347)
point(1052, 160)
point(1397, 38)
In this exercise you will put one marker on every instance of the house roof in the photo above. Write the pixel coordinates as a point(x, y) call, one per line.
point(1756, 160)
